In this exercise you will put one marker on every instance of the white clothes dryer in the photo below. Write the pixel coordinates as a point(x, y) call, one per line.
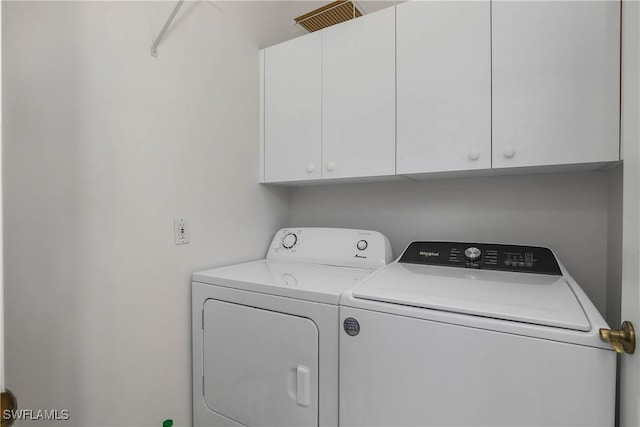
point(468, 334)
point(265, 333)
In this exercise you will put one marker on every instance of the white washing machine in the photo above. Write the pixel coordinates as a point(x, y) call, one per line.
point(461, 334)
point(265, 333)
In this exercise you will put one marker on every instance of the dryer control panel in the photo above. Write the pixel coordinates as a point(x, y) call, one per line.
point(331, 246)
point(485, 256)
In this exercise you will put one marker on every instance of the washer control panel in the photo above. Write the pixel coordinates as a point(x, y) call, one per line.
point(485, 256)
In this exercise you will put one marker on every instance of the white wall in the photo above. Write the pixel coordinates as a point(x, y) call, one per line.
point(104, 145)
point(567, 212)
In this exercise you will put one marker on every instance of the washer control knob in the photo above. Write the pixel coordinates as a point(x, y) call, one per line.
point(331, 166)
point(289, 240)
point(472, 253)
point(474, 155)
point(311, 167)
point(362, 245)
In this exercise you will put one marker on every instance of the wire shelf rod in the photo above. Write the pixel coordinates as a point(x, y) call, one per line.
point(156, 43)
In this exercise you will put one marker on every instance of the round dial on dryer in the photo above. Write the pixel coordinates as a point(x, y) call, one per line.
point(472, 253)
point(289, 240)
point(362, 245)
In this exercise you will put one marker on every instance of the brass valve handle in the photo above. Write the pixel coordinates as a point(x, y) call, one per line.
point(622, 340)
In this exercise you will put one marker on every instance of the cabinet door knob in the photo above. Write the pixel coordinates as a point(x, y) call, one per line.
point(311, 167)
point(474, 155)
point(508, 152)
point(331, 166)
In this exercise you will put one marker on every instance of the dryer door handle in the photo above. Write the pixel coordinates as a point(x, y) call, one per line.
point(303, 386)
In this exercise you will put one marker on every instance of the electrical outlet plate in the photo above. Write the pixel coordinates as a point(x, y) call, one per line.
point(181, 231)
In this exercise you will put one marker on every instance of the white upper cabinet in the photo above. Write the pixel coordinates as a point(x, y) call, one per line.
point(292, 110)
point(555, 82)
point(443, 86)
point(358, 97)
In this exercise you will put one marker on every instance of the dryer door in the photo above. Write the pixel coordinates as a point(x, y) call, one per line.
point(260, 366)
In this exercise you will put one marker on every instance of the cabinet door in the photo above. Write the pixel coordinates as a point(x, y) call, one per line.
point(444, 86)
point(358, 97)
point(292, 110)
point(556, 70)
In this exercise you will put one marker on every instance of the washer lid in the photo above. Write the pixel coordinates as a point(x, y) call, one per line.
point(520, 297)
